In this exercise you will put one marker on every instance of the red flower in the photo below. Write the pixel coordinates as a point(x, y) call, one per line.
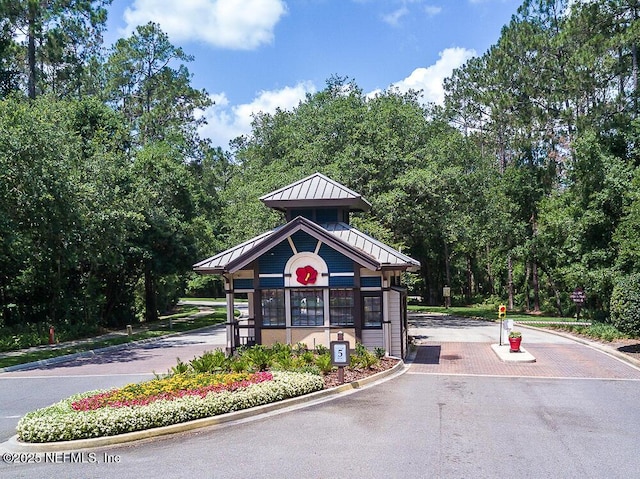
point(306, 275)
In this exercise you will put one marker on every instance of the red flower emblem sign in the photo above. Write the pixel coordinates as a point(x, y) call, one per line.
point(306, 275)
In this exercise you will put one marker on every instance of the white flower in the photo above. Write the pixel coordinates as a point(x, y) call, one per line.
point(60, 422)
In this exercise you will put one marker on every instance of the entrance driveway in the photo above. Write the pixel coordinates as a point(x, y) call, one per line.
point(451, 345)
point(457, 413)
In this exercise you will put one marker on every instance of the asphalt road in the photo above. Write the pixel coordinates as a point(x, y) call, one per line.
point(417, 425)
point(24, 391)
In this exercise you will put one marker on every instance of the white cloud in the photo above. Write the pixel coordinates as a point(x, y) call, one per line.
point(393, 18)
point(234, 24)
point(432, 10)
point(430, 79)
point(224, 123)
point(405, 9)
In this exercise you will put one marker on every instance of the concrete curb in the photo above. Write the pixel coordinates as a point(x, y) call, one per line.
point(506, 356)
point(13, 445)
point(93, 352)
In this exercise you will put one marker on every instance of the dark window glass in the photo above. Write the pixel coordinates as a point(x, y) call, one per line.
point(273, 313)
point(372, 306)
point(341, 307)
point(307, 307)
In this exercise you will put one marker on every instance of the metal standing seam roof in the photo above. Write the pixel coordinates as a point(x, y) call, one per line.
point(347, 235)
point(384, 254)
point(221, 260)
point(315, 189)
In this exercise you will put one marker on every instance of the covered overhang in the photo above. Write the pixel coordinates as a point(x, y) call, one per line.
point(359, 247)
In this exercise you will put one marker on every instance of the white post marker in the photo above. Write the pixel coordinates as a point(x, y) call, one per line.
point(507, 326)
point(340, 355)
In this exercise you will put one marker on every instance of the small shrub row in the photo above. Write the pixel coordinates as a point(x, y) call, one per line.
point(602, 331)
point(279, 357)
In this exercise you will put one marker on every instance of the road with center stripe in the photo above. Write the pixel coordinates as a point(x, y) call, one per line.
point(458, 411)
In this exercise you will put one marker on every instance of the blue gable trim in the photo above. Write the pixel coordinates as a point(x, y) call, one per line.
point(371, 282)
point(341, 281)
point(272, 282)
point(274, 260)
point(304, 242)
point(336, 262)
point(244, 283)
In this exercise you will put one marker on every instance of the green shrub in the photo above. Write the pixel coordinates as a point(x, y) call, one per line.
point(362, 358)
point(308, 369)
point(238, 364)
point(322, 349)
point(323, 362)
point(625, 305)
point(283, 359)
point(606, 332)
point(300, 348)
point(259, 357)
point(179, 368)
point(210, 362)
point(379, 352)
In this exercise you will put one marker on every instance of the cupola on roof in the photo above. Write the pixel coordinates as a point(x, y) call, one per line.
point(316, 190)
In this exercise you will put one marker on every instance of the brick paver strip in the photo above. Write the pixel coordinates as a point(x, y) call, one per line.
point(552, 360)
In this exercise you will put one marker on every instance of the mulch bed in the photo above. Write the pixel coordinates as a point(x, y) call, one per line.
point(350, 375)
point(630, 347)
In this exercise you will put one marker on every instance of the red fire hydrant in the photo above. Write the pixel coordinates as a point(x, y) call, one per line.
point(52, 334)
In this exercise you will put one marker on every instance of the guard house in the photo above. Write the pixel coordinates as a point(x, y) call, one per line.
point(315, 275)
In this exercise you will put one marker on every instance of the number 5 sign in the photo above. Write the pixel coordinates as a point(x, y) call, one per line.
point(340, 355)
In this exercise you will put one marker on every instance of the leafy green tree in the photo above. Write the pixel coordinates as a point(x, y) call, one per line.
point(60, 38)
point(148, 83)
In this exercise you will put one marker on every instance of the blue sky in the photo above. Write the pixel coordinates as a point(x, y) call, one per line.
point(256, 55)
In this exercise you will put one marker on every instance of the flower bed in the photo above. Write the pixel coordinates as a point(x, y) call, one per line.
point(171, 388)
point(63, 422)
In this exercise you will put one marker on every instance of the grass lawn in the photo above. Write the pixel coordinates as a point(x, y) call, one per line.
point(215, 300)
point(176, 323)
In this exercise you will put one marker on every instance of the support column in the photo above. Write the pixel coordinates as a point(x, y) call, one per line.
point(231, 325)
point(386, 317)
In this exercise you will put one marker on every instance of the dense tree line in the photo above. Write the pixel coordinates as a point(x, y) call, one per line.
point(522, 187)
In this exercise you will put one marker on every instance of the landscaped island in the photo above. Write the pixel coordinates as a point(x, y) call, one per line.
point(207, 386)
point(77, 418)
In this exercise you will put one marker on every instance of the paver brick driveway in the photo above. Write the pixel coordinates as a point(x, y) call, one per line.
point(462, 346)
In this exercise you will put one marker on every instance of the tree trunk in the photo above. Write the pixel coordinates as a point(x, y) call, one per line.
point(447, 264)
point(634, 66)
point(490, 289)
point(510, 281)
point(470, 286)
point(527, 273)
point(556, 292)
point(150, 299)
point(634, 75)
point(536, 287)
point(31, 50)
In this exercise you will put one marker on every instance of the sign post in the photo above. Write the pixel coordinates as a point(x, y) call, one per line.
point(502, 313)
point(578, 297)
point(340, 355)
point(446, 293)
